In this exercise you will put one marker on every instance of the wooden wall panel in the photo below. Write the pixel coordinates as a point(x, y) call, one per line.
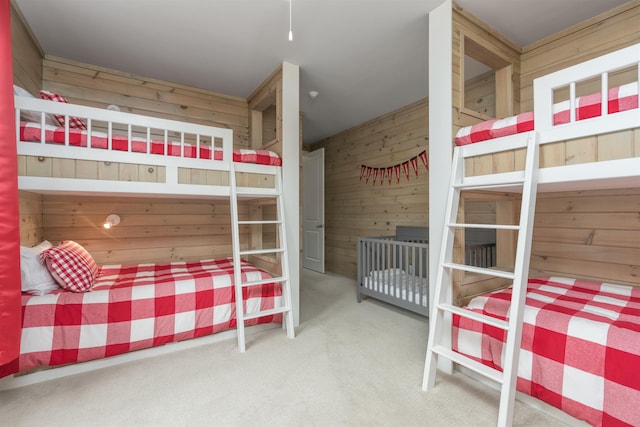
point(99, 87)
point(151, 230)
point(354, 208)
point(30, 206)
point(26, 56)
point(592, 234)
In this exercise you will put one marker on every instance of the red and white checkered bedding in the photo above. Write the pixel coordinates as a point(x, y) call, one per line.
point(620, 99)
point(31, 132)
point(580, 348)
point(131, 307)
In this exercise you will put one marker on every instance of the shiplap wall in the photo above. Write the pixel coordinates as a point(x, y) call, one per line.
point(26, 56)
point(31, 221)
point(588, 233)
point(95, 86)
point(354, 208)
point(151, 230)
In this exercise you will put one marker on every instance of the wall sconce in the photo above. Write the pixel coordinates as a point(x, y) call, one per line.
point(111, 221)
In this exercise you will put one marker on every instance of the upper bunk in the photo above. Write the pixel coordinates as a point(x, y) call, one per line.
point(589, 139)
point(86, 150)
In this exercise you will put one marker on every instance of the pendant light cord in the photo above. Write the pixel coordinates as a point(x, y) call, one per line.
point(290, 28)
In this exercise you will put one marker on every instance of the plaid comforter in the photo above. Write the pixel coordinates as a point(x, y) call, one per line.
point(580, 348)
point(131, 307)
point(31, 132)
point(620, 99)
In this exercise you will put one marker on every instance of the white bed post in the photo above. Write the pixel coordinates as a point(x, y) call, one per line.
point(291, 176)
point(440, 137)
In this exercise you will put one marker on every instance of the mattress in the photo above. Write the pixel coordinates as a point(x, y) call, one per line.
point(621, 98)
point(31, 132)
point(397, 283)
point(131, 307)
point(580, 349)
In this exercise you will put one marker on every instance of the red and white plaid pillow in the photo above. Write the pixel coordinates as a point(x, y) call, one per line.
point(74, 122)
point(71, 266)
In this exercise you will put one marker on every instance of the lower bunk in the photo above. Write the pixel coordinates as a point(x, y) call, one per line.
point(134, 307)
point(580, 349)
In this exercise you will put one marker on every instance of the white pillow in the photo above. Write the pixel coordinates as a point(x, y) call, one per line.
point(36, 278)
point(31, 116)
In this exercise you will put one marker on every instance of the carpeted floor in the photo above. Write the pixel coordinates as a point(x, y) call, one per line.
point(350, 365)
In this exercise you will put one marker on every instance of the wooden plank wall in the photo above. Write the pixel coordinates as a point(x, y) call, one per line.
point(26, 56)
point(96, 86)
point(31, 220)
point(354, 208)
point(588, 233)
point(151, 229)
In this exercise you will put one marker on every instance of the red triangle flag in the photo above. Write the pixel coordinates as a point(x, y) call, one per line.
point(368, 174)
point(390, 173)
point(423, 157)
point(375, 175)
point(405, 166)
point(363, 168)
point(397, 168)
point(414, 163)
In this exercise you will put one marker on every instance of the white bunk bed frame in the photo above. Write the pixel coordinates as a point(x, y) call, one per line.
point(169, 188)
point(620, 173)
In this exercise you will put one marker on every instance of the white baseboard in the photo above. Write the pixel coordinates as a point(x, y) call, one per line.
point(12, 382)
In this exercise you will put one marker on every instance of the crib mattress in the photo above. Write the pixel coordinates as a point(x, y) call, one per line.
point(621, 98)
point(131, 307)
point(31, 132)
point(397, 283)
point(580, 348)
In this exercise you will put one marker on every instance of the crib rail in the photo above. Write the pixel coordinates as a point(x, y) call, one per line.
point(480, 255)
point(394, 271)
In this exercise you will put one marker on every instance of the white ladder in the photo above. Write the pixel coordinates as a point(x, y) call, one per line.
point(443, 309)
point(280, 252)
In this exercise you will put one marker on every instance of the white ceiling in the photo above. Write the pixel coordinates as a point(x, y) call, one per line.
point(364, 57)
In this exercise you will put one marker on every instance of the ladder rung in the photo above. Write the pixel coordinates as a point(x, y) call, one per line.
point(486, 226)
point(465, 361)
point(473, 315)
point(263, 281)
point(263, 313)
point(262, 251)
point(259, 222)
point(256, 192)
point(480, 270)
point(474, 183)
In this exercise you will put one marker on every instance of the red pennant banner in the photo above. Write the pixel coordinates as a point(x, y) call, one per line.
point(385, 173)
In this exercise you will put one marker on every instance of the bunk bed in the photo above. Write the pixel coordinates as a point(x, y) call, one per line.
point(580, 348)
point(121, 308)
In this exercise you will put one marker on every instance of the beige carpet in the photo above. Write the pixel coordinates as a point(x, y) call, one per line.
point(350, 365)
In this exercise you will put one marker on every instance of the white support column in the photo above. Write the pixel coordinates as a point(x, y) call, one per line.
point(291, 175)
point(440, 135)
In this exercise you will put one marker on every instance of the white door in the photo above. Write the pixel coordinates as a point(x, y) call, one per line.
point(313, 210)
